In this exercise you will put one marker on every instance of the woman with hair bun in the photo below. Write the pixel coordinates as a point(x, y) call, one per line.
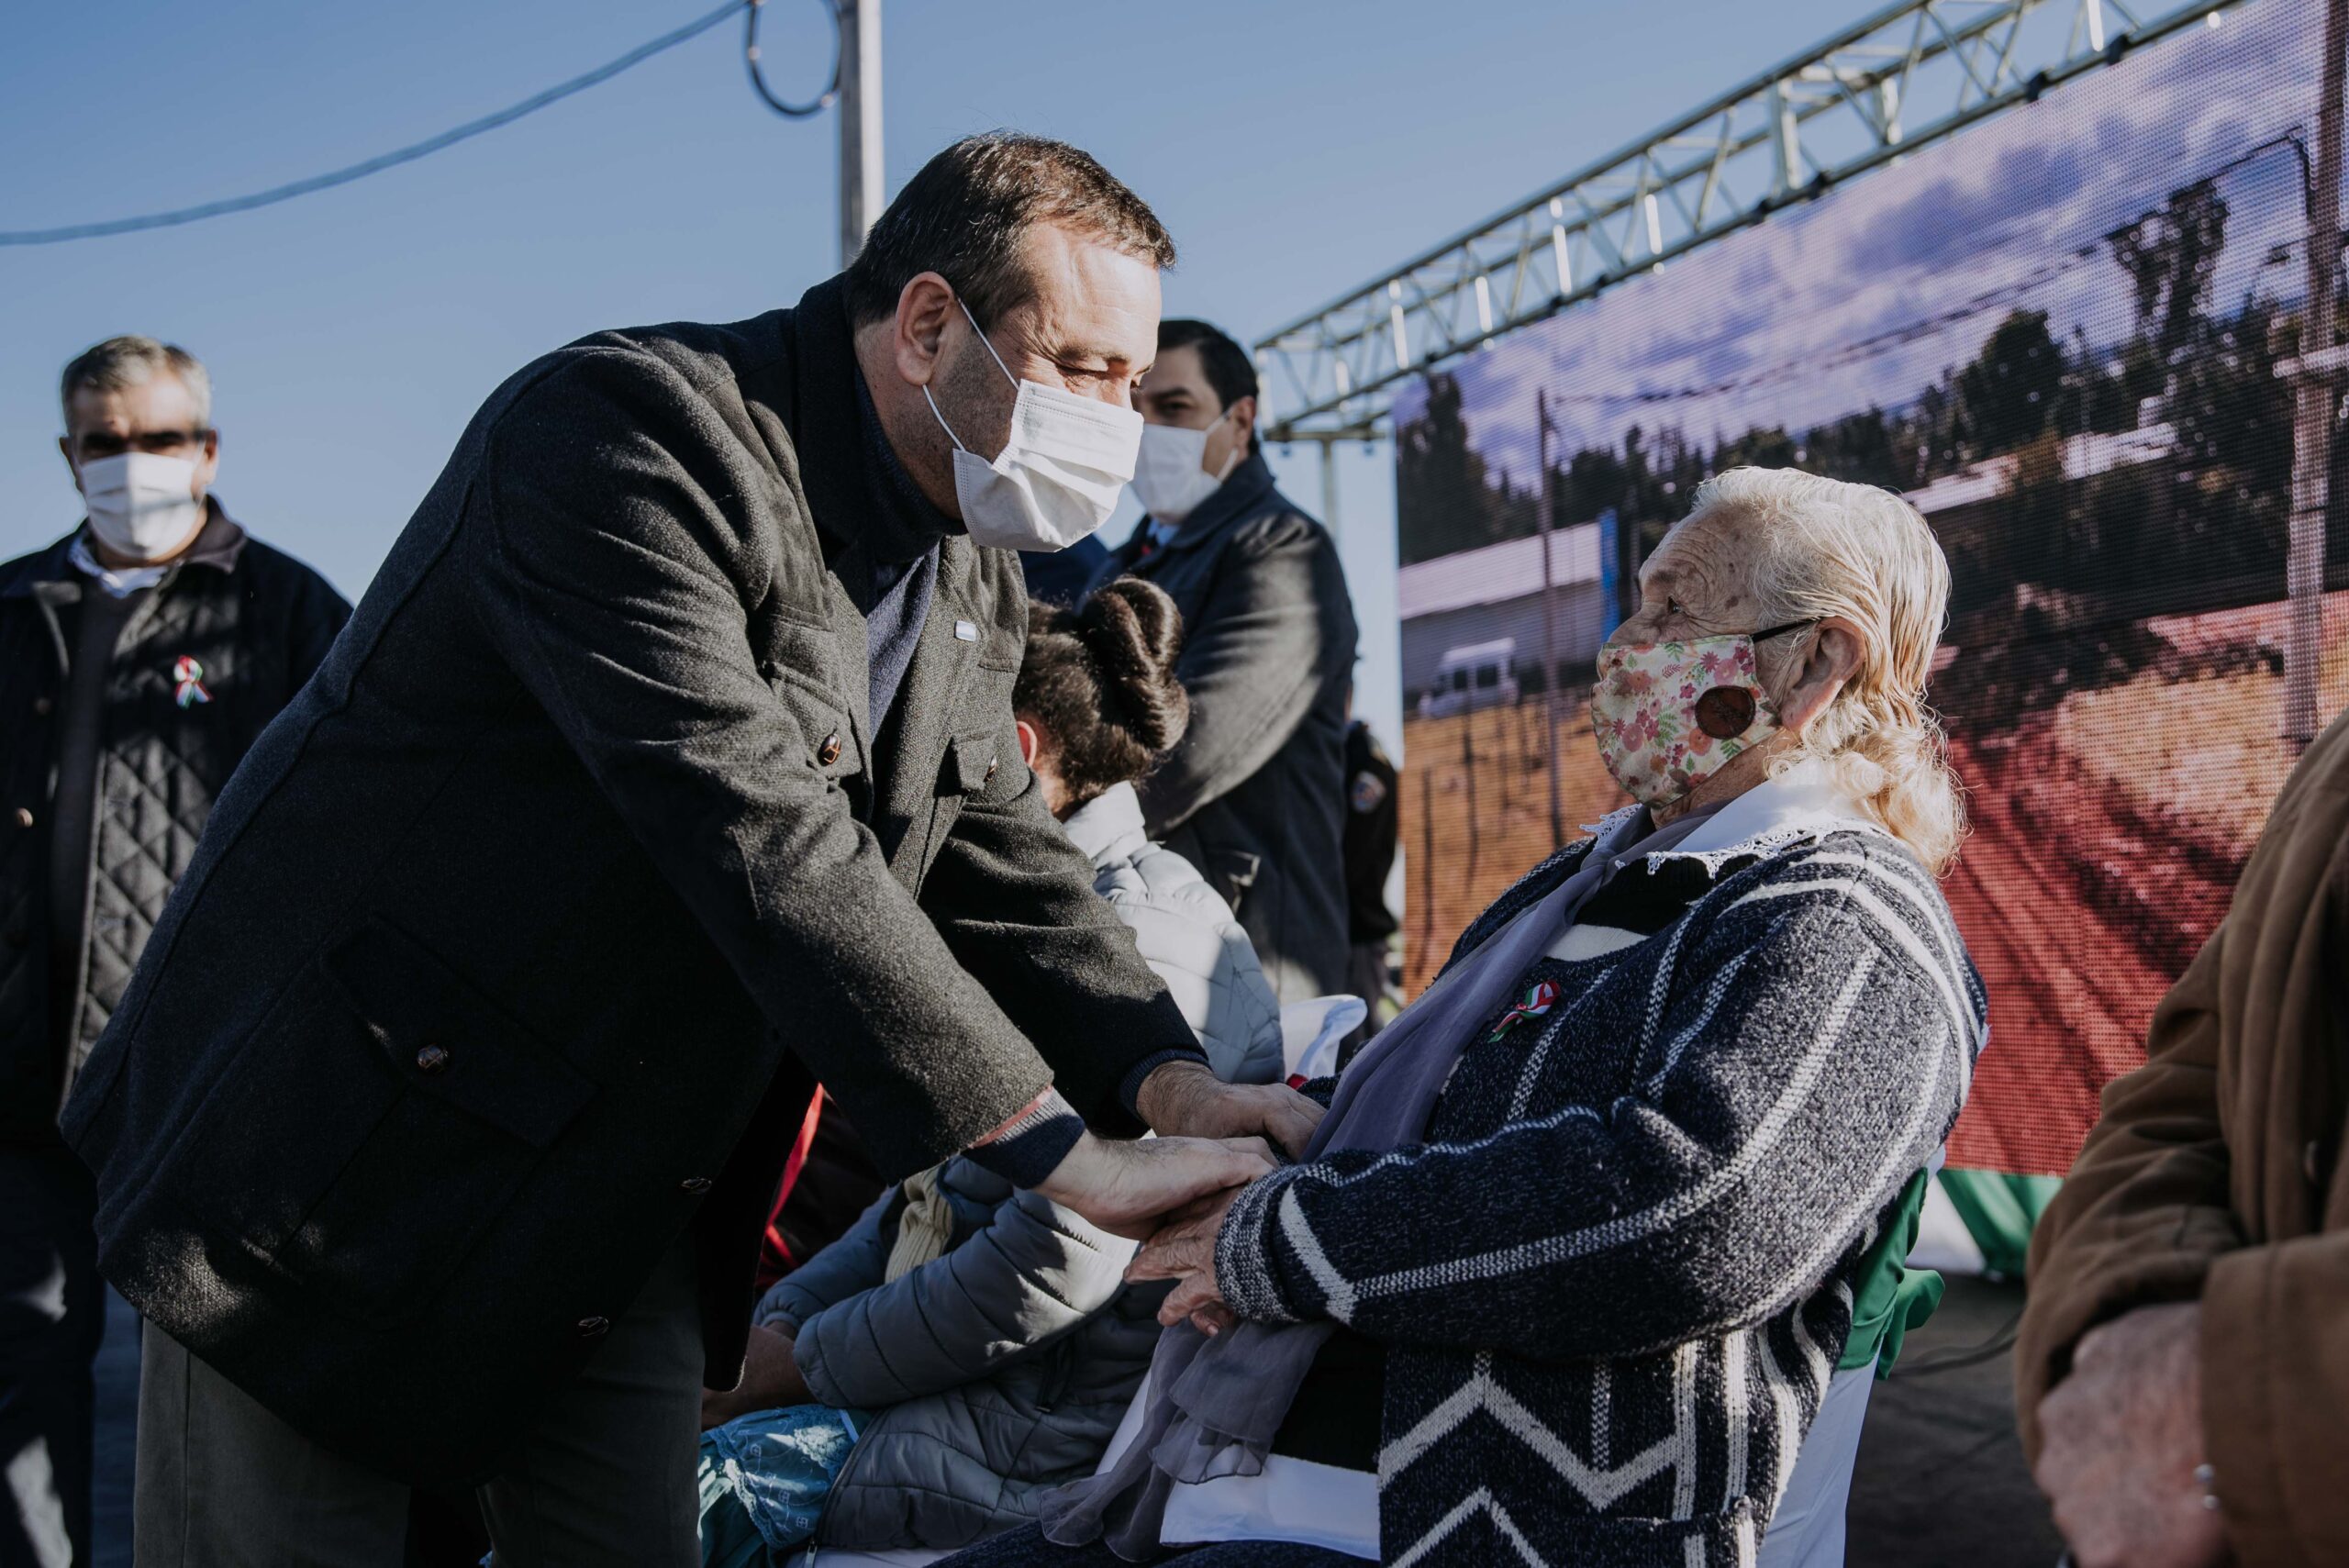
point(1098, 706)
point(920, 1382)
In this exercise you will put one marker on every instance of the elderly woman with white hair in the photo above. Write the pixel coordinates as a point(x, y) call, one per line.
point(1569, 1269)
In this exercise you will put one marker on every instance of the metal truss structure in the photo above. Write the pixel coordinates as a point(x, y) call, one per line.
point(1909, 75)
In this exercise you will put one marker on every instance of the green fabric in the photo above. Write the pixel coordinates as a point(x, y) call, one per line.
point(1999, 1210)
point(1889, 1297)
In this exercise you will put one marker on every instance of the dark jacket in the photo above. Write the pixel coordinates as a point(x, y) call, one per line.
point(256, 622)
point(1061, 576)
point(1373, 813)
point(1254, 796)
point(516, 945)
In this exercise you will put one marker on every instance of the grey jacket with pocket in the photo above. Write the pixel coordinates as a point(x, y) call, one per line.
point(1001, 1368)
point(1187, 932)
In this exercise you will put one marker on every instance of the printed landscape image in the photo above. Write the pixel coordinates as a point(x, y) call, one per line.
point(2067, 336)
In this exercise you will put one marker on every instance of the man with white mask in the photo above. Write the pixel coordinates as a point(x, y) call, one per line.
point(667, 769)
point(140, 655)
point(1253, 796)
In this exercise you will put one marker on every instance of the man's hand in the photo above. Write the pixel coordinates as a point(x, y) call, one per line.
point(1125, 1188)
point(1185, 1100)
point(1183, 1250)
point(769, 1380)
point(2122, 1438)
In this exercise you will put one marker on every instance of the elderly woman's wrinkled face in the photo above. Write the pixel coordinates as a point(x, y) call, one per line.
point(1683, 701)
point(1698, 583)
point(1679, 697)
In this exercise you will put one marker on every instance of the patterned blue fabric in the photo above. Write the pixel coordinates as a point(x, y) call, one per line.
point(774, 1468)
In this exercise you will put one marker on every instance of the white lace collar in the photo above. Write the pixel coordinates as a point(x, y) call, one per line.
point(1801, 804)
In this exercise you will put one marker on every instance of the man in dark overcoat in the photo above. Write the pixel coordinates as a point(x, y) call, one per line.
point(667, 767)
point(1253, 794)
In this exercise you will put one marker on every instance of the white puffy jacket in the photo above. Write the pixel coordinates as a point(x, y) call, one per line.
point(1187, 933)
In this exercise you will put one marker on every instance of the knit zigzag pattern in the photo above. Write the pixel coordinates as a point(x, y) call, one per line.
point(1615, 1282)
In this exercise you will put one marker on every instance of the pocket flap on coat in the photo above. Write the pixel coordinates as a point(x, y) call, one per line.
point(972, 763)
point(445, 1038)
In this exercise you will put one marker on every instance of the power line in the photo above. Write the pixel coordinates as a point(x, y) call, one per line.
point(391, 160)
point(822, 101)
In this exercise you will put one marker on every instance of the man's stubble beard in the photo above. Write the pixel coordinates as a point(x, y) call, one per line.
point(977, 401)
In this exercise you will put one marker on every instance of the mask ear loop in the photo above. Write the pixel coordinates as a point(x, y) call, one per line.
point(1231, 465)
point(941, 421)
point(991, 354)
point(985, 344)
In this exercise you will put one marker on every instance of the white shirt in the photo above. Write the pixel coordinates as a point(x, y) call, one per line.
point(1291, 1499)
point(120, 583)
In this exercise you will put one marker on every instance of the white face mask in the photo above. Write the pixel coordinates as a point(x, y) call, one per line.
point(1171, 478)
point(141, 505)
point(1057, 479)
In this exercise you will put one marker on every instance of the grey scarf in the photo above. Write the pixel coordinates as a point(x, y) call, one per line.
point(1216, 1402)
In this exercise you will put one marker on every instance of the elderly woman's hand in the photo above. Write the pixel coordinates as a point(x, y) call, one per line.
point(1183, 1250)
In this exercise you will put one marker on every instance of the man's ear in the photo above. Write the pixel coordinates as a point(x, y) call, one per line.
point(1030, 743)
point(925, 306)
point(1243, 420)
point(65, 449)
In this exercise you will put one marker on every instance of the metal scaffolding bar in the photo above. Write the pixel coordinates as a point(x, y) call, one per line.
point(1912, 73)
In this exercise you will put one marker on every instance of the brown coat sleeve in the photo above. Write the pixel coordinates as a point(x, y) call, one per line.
point(2275, 1313)
point(2212, 1177)
point(2145, 1211)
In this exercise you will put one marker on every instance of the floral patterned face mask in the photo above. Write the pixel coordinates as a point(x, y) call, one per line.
point(1668, 715)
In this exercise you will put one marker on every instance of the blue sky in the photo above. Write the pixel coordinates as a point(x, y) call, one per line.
point(1295, 148)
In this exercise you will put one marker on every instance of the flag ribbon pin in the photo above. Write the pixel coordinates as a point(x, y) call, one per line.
point(1539, 998)
point(187, 679)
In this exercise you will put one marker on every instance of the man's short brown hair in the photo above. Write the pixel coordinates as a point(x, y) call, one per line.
point(964, 215)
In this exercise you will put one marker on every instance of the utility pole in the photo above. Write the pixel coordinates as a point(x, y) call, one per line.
point(2313, 396)
point(1329, 486)
point(859, 111)
point(1542, 504)
point(1328, 441)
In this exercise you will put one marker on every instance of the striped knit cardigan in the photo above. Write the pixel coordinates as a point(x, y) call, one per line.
point(1614, 1282)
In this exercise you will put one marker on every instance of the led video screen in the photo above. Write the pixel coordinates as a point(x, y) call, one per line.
point(2067, 335)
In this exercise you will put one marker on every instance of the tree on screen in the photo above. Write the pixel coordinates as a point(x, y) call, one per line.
point(1441, 502)
point(2011, 389)
point(2170, 255)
